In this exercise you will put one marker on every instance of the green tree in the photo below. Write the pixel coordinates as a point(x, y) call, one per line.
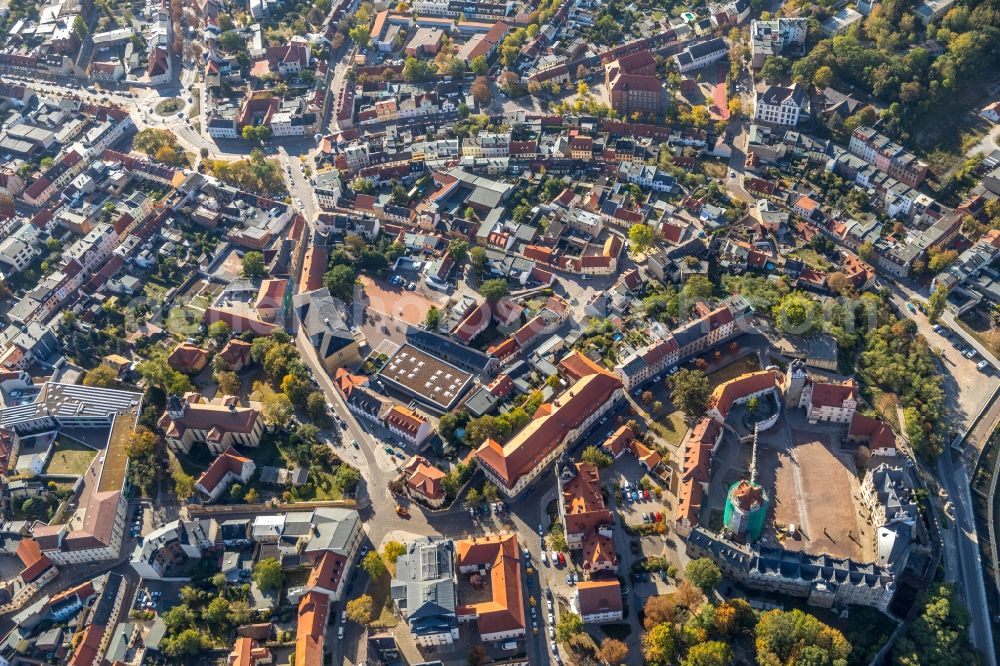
point(374, 565)
point(415, 70)
point(595, 456)
point(458, 249)
point(479, 66)
point(228, 382)
point(712, 653)
point(103, 376)
point(569, 625)
point(867, 251)
point(477, 259)
point(256, 132)
point(433, 318)
point(690, 391)
point(179, 617)
point(360, 610)
point(696, 288)
point(347, 479)
point(340, 281)
point(276, 408)
point(220, 330)
point(237, 491)
point(641, 236)
point(186, 644)
point(659, 645)
point(703, 574)
point(392, 550)
point(216, 613)
point(253, 265)
point(231, 42)
point(822, 77)
point(786, 637)
point(494, 290)
point(316, 405)
point(268, 575)
point(939, 634)
point(775, 69)
point(183, 485)
point(361, 35)
point(797, 313)
point(936, 303)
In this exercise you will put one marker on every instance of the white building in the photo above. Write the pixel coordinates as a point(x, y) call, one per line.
point(771, 38)
point(701, 54)
point(778, 105)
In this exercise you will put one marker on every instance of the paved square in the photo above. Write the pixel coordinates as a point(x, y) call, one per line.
point(813, 487)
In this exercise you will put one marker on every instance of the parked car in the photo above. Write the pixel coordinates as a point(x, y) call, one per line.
point(545, 559)
point(562, 560)
point(982, 366)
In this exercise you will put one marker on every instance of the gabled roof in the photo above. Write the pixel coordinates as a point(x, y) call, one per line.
point(599, 596)
point(314, 608)
point(500, 554)
point(543, 434)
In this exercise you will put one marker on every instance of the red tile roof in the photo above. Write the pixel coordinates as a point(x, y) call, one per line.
point(424, 478)
point(599, 596)
point(310, 633)
point(833, 395)
point(230, 462)
point(729, 392)
point(536, 440)
point(500, 554)
point(878, 434)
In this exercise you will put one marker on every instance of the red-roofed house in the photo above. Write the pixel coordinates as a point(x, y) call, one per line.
point(598, 601)
point(497, 558)
point(424, 480)
point(739, 390)
point(188, 358)
point(514, 465)
point(246, 652)
point(586, 522)
point(695, 472)
point(825, 401)
point(618, 441)
point(310, 632)
point(223, 472)
point(408, 425)
point(873, 433)
point(236, 354)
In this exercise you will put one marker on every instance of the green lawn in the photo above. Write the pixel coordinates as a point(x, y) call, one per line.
point(812, 258)
point(674, 427)
point(184, 320)
point(69, 457)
